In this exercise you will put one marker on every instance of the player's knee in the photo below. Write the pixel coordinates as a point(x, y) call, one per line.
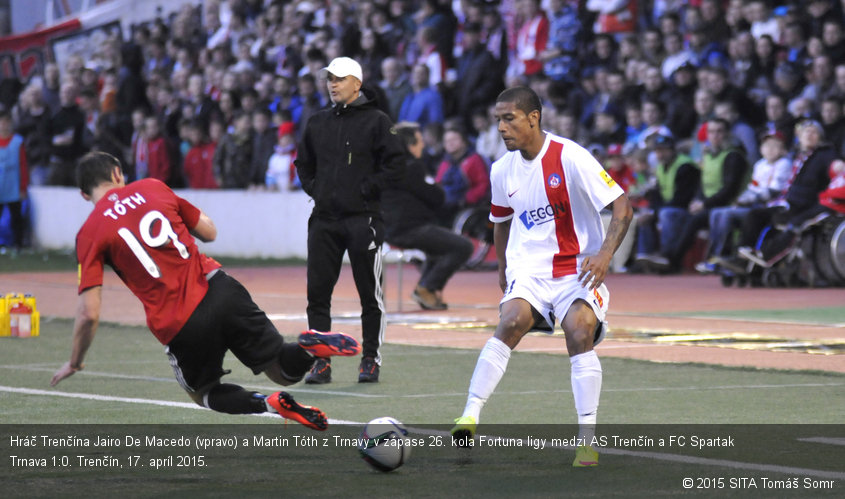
point(580, 327)
point(274, 372)
point(512, 328)
point(579, 340)
point(516, 322)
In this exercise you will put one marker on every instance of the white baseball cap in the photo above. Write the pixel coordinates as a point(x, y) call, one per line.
point(344, 66)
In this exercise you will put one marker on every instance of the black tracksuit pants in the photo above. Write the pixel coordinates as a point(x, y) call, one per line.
point(362, 237)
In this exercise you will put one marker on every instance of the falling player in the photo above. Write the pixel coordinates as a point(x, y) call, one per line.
point(553, 256)
point(146, 233)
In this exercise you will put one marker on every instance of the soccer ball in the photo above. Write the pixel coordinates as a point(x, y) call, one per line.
point(384, 444)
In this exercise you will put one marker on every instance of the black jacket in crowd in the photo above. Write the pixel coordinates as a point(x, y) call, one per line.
point(34, 130)
point(479, 81)
point(411, 202)
point(347, 156)
point(69, 118)
point(263, 146)
point(813, 178)
point(233, 161)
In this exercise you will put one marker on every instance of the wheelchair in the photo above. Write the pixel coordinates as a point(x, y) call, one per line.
point(474, 223)
point(829, 250)
point(813, 257)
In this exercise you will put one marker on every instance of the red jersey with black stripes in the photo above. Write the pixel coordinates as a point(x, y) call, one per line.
point(142, 231)
point(555, 202)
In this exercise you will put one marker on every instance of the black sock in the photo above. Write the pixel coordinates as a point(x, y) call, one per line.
point(295, 361)
point(233, 399)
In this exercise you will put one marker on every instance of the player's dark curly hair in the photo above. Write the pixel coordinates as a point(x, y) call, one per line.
point(524, 98)
point(93, 169)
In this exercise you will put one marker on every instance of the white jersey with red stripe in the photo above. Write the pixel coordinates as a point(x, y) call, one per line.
point(555, 202)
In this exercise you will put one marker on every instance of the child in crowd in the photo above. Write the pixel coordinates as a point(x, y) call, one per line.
point(14, 176)
point(489, 143)
point(140, 151)
point(618, 168)
point(769, 177)
point(158, 155)
point(199, 166)
point(281, 174)
point(643, 178)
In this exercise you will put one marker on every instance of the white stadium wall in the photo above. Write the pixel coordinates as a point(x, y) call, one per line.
point(249, 224)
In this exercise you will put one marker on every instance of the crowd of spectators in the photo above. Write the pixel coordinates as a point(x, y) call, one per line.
point(216, 95)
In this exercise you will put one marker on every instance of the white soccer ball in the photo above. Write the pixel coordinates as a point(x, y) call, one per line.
point(384, 444)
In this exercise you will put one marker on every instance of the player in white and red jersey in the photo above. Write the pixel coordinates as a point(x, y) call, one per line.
point(553, 255)
point(145, 232)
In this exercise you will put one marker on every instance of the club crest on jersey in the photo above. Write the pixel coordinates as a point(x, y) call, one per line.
point(113, 197)
point(553, 180)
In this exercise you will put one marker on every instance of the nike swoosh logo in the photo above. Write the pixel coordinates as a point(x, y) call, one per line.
point(510, 194)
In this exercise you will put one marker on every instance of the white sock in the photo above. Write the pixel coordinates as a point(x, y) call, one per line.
point(491, 365)
point(586, 388)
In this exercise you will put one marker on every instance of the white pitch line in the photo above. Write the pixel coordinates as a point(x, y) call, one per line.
point(824, 440)
point(130, 400)
point(599, 349)
point(724, 463)
point(37, 368)
point(779, 322)
point(92, 373)
point(679, 458)
point(605, 450)
point(173, 380)
point(101, 398)
point(562, 391)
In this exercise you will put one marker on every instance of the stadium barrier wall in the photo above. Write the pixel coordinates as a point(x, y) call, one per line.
point(249, 224)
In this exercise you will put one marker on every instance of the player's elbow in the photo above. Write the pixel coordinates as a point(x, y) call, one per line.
point(207, 236)
point(629, 211)
point(205, 230)
point(622, 208)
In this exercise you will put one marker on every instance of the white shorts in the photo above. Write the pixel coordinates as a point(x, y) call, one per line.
point(553, 297)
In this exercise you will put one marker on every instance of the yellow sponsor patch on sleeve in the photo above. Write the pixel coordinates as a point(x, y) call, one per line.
point(607, 179)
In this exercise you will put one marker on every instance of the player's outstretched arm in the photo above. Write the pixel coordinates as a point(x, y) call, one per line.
point(594, 268)
point(84, 329)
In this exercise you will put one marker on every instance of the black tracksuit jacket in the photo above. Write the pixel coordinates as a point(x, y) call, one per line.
point(348, 154)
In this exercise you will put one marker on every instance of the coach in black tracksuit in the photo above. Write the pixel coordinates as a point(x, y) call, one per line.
point(348, 153)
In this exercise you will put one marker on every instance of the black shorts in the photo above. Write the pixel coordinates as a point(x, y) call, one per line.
point(225, 319)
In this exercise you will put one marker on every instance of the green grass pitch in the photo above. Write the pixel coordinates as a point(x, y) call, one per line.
point(765, 412)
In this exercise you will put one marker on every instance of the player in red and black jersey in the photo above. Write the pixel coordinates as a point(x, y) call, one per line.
point(145, 232)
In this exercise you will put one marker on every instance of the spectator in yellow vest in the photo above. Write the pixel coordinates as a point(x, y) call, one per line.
point(678, 179)
point(724, 171)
